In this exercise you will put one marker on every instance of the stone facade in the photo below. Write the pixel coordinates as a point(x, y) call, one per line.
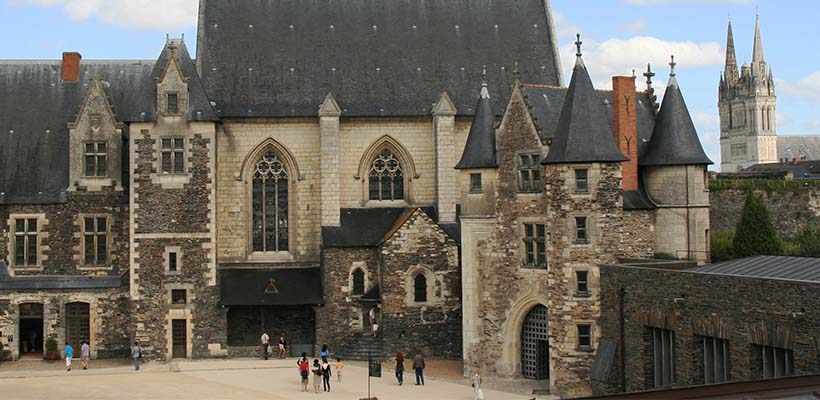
point(694, 305)
point(792, 210)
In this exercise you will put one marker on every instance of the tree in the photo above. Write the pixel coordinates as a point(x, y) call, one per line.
point(755, 234)
point(809, 241)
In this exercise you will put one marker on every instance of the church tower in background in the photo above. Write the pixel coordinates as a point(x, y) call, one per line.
point(747, 103)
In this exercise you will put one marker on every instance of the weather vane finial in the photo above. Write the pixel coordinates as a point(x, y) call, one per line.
point(517, 72)
point(673, 64)
point(483, 75)
point(578, 44)
point(649, 75)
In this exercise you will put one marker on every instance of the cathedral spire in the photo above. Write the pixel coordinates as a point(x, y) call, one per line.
point(731, 72)
point(758, 55)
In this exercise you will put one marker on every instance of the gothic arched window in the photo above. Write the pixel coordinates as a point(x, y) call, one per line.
point(270, 204)
point(358, 282)
point(386, 177)
point(420, 289)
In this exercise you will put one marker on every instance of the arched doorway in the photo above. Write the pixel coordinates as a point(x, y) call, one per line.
point(535, 349)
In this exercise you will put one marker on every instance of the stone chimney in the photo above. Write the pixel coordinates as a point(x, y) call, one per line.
point(71, 66)
point(624, 111)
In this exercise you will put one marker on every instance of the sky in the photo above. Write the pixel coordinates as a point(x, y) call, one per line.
point(619, 36)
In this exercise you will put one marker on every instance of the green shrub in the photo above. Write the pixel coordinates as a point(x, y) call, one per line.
point(51, 344)
point(755, 235)
point(721, 245)
point(809, 241)
point(792, 249)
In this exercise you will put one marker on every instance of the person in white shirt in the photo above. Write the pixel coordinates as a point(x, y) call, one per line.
point(265, 341)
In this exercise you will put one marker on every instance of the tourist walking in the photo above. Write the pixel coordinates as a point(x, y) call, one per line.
point(418, 365)
point(317, 375)
point(374, 322)
point(69, 354)
point(265, 343)
point(325, 353)
point(400, 368)
point(136, 354)
point(282, 344)
point(326, 374)
point(304, 371)
point(85, 353)
point(339, 367)
point(476, 382)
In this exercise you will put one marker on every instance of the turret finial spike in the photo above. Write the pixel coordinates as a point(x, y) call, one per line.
point(673, 64)
point(517, 72)
point(483, 75)
point(649, 75)
point(578, 44)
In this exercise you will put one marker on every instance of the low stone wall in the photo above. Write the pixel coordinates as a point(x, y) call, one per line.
point(792, 210)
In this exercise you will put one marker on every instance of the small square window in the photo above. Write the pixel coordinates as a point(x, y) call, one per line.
point(581, 180)
point(581, 234)
point(173, 103)
point(582, 281)
point(179, 296)
point(475, 183)
point(585, 336)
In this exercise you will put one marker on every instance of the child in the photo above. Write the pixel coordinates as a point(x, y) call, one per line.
point(85, 354)
point(69, 354)
point(317, 375)
point(339, 367)
point(304, 370)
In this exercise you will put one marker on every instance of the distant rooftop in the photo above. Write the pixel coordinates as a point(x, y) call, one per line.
point(768, 267)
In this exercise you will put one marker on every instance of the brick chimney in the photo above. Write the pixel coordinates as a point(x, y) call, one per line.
point(71, 66)
point(625, 125)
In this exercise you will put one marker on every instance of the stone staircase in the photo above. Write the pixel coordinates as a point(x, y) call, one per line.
point(359, 347)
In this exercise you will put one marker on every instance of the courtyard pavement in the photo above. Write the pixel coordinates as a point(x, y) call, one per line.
point(244, 379)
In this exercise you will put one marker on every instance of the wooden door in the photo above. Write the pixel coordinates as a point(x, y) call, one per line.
point(179, 338)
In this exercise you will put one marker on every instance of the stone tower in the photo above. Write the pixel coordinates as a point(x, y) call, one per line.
point(747, 103)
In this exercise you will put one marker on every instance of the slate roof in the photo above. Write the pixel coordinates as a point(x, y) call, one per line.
point(584, 130)
point(479, 152)
point(802, 147)
point(769, 267)
point(801, 170)
point(280, 58)
point(547, 102)
point(76, 282)
point(674, 140)
point(36, 107)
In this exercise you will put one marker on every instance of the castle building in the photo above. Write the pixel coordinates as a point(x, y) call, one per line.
point(748, 114)
point(314, 161)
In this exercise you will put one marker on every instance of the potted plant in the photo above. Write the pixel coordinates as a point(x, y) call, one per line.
point(51, 350)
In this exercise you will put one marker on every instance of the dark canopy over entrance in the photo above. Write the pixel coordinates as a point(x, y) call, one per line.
point(266, 287)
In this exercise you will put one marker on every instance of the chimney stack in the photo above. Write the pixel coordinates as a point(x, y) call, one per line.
point(624, 111)
point(71, 66)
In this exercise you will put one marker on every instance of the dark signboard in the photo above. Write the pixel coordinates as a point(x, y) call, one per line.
point(374, 369)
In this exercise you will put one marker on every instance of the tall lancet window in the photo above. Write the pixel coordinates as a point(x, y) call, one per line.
point(270, 205)
point(386, 177)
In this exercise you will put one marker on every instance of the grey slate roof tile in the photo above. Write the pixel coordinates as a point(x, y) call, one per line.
point(584, 129)
point(674, 140)
point(77, 282)
point(769, 267)
point(279, 58)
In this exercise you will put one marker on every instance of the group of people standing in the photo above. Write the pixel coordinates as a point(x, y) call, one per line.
point(320, 370)
point(266, 348)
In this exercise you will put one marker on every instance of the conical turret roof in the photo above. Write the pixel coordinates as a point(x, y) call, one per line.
point(479, 152)
point(583, 133)
point(675, 140)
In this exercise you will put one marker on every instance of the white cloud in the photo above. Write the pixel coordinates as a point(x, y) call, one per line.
point(140, 14)
point(807, 87)
point(637, 25)
point(563, 28)
point(621, 57)
point(642, 2)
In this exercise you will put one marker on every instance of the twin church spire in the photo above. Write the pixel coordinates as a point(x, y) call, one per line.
point(751, 79)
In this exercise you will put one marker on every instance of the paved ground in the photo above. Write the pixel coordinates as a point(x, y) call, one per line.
point(232, 379)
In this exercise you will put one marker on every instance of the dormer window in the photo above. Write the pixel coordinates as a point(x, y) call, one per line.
point(173, 103)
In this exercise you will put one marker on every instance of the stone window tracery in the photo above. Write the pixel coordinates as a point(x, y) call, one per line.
point(386, 177)
point(25, 242)
point(270, 205)
point(95, 241)
point(173, 155)
point(358, 282)
point(529, 173)
point(420, 288)
point(96, 160)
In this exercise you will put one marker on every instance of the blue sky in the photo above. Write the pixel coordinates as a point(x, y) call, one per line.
point(619, 36)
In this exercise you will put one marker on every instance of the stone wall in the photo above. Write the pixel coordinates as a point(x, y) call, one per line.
point(638, 240)
point(696, 305)
point(341, 318)
point(60, 233)
point(434, 326)
point(246, 324)
point(109, 317)
point(792, 210)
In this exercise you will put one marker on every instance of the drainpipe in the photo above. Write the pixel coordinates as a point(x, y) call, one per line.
point(688, 228)
point(622, 340)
